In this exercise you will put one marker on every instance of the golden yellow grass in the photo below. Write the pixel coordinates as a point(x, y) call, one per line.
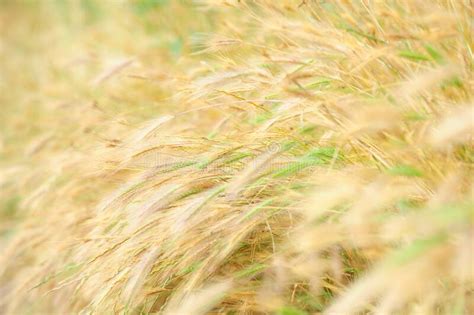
point(236, 157)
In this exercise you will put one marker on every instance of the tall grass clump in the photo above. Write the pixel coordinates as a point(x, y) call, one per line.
point(237, 157)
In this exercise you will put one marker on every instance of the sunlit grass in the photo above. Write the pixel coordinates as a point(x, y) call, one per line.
point(236, 157)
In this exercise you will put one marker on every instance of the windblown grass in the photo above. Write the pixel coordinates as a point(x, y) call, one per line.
point(241, 157)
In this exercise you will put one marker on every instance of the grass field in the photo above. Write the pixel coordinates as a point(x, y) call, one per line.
point(236, 157)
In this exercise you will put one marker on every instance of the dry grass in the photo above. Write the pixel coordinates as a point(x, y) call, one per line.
point(240, 157)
